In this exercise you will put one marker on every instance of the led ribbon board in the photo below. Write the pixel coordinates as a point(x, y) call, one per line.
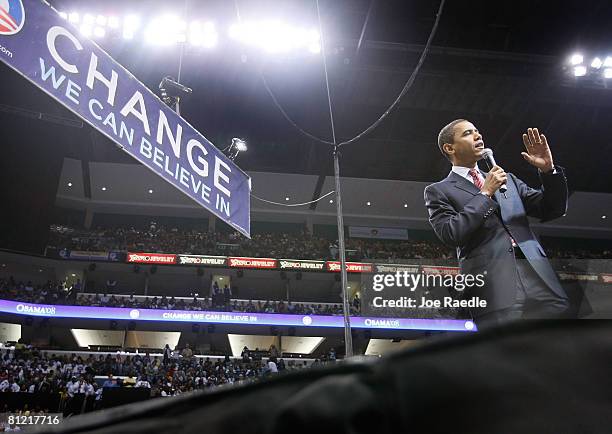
point(272, 319)
point(52, 54)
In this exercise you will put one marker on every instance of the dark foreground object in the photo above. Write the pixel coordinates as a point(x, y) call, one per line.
point(552, 377)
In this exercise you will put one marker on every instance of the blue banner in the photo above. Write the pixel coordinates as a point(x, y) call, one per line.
point(51, 53)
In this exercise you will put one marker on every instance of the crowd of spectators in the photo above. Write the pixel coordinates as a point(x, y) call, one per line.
point(159, 239)
point(59, 293)
point(26, 369)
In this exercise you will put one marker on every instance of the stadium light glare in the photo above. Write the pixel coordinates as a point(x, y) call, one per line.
point(99, 32)
point(73, 17)
point(86, 30)
point(576, 59)
point(607, 73)
point(315, 48)
point(88, 19)
point(596, 63)
point(580, 71)
point(101, 20)
point(64, 15)
point(608, 62)
point(113, 22)
point(130, 24)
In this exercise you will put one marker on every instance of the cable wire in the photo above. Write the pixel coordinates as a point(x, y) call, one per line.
point(372, 127)
point(293, 204)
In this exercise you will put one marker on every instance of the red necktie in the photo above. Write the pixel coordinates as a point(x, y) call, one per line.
point(479, 183)
point(477, 179)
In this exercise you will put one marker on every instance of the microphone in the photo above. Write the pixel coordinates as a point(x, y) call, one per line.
point(487, 155)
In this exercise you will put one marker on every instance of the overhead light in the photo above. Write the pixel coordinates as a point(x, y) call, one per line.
point(99, 32)
point(237, 146)
point(331, 201)
point(86, 30)
point(607, 73)
point(368, 203)
point(576, 59)
point(113, 22)
point(580, 71)
point(604, 217)
point(405, 205)
point(315, 48)
point(103, 188)
point(287, 199)
point(130, 24)
point(73, 17)
point(70, 184)
point(73, 275)
point(150, 191)
point(88, 19)
point(596, 63)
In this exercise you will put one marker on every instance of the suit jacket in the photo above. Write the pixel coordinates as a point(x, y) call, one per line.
point(480, 228)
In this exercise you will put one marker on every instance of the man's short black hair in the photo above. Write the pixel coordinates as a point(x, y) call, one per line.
point(447, 135)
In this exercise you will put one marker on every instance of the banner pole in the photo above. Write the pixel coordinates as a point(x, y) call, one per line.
point(348, 337)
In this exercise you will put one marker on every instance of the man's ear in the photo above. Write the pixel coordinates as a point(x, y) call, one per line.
point(448, 148)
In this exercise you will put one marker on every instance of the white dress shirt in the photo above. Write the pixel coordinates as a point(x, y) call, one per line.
point(464, 172)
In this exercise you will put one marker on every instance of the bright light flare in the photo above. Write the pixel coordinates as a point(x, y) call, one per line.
point(607, 73)
point(275, 36)
point(576, 59)
point(580, 71)
point(596, 63)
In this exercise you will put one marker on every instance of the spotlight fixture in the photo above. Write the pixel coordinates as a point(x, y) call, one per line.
point(171, 91)
point(237, 146)
point(576, 59)
point(580, 71)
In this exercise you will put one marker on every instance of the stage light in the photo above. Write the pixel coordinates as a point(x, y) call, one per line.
point(607, 73)
point(99, 32)
point(240, 144)
point(73, 17)
point(64, 15)
point(237, 146)
point(86, 30)
point(203, 34)
point(166, 30)
point(576, 59)
point(88, 19)
point(113, 22)
point(315, 48)
point(596, 63)
point(608, 62)
point(580, 71)
point(275, 36)
point(130, 24)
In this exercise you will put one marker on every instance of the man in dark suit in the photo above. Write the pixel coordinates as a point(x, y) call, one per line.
point(491, 231)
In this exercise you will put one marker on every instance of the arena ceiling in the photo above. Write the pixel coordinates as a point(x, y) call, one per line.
point(499, 64)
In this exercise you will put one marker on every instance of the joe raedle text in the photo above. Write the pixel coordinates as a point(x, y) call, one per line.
point(412, 281)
